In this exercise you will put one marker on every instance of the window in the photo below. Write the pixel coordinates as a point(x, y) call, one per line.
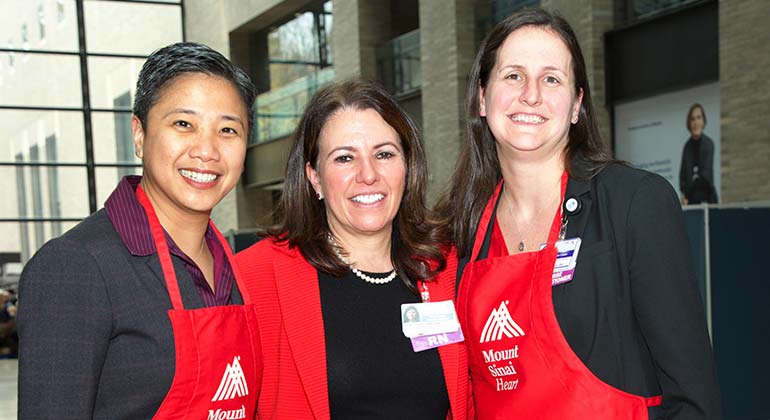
point(124, 139)
point(60, 11)
point(52, 172)
point(41, 20)
point(300, 60)
point(58, 153)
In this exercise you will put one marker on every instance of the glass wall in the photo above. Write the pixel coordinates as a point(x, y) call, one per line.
point(642, 9)
point(398, 64)
point(65, 109)
point(489, 12)
point(300, 57)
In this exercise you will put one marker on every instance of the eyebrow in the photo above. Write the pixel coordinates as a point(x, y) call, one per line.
point(519, 66)
point(188, 111)
point(352, 149)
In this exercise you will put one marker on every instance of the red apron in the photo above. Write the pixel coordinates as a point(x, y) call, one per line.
point(520, 362)
point(218, 359)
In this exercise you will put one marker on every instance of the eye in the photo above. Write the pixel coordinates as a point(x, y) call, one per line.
point(182, 123)
point(230, 130)
point(343, 158)
point(513, 76)
point(551, 80)
point(385, 155)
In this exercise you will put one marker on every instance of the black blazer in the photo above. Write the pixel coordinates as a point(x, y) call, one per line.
point(632, 312)
point(95, 338)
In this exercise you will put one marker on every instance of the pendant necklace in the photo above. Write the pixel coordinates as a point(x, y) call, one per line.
point(508, 199)
point(363, 276)
point(515, 224)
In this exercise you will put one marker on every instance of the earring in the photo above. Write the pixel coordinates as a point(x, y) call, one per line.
point(319, 196)
point(574, 119)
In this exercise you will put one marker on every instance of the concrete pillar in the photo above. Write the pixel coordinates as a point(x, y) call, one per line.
point(447, 47)
point(360, 26)
point(744, 56)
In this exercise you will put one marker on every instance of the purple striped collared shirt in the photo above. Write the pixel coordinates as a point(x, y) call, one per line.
point(129, 219)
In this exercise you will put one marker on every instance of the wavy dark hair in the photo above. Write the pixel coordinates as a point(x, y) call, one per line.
point(478, 169)
point(301, 217)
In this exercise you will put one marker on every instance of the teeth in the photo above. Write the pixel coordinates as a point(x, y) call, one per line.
point(531, 119)
point(368, 198)
point(197, 176)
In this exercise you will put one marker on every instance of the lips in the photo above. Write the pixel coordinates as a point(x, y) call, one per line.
point(199, 177)
point(368, 198)
point(527, 118)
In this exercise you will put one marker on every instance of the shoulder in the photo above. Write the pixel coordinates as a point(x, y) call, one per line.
point(626, 182)
point(91, 239)
point(264, 247)
point(263, 255)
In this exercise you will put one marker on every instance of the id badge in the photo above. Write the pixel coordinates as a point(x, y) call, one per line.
point(566, 260)
point(430, 324)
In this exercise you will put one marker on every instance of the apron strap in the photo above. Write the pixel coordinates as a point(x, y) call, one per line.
point(233, 266)
point(169, 276)
point(486, 219)
point(559, 219)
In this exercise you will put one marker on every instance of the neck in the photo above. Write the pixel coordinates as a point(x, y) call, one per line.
point(187, 229)
point(366, 252)
point(532, 184)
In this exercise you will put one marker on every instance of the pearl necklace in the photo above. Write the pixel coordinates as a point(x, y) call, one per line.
point(365, 277)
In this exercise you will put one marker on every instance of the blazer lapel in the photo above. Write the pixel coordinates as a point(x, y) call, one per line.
point(580, 190)
point(300, 302)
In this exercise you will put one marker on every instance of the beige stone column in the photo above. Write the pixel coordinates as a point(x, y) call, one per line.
point(447, 47)
point(744, 88)
point(360, 26)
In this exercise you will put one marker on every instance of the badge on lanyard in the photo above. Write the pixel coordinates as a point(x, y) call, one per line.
point(566, 260)
point(430, 324)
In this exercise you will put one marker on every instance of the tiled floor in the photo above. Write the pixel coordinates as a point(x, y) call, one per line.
point(9, 371)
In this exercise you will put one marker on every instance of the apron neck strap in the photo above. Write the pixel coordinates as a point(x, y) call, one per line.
point(559, 221)
point(486, 217)
point(169, 276)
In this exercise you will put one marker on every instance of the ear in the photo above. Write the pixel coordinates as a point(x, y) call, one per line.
point(312, 176)
point(576, 107)
point(482, 103)
point(138, 131)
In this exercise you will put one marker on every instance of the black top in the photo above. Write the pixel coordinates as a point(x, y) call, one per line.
point(373, 372)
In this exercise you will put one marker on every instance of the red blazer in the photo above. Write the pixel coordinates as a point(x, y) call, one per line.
point(284, 288)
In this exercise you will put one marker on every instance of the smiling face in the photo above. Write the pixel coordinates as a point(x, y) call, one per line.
point(529, 100)
point(193, 145)
point(360, 172)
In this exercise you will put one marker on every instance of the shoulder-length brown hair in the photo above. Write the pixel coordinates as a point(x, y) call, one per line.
point(301, 217)
point(478, 169)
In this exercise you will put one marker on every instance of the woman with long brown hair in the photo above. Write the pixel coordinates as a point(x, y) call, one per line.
point(353, 243)
point(578, 296)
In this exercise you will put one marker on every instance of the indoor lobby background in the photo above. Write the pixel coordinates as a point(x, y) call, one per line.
point(68, 70)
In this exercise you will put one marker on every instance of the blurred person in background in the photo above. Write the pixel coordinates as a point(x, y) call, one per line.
point(696, 172)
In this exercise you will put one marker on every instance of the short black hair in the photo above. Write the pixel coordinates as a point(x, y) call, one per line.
point(166, 64)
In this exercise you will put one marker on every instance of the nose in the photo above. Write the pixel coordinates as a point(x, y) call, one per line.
point(205, 146)
point(367, 171)
point(530, 93)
